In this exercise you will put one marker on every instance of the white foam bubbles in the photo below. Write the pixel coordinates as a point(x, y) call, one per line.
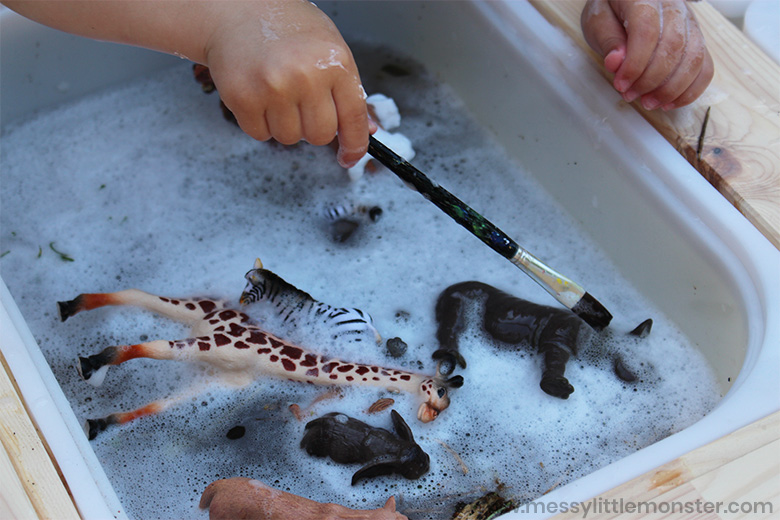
point(147, 186)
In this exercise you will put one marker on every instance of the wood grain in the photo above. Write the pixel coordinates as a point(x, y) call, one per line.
point(741, 147)
point(14, 502)
point(741, 469)
point(31, 486)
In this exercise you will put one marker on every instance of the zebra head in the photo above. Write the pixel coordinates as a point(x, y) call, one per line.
point(297, 308)
point(257, 284)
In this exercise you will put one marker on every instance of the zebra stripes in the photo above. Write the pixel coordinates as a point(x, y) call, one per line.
point(337, 212)
point(296, 308)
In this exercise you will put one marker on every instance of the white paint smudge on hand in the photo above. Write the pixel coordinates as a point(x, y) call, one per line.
point(331, 61)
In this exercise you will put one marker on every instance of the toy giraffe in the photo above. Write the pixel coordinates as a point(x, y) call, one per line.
point(231, 341)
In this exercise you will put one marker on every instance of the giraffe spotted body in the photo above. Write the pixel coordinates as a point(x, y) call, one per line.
point(235, 344)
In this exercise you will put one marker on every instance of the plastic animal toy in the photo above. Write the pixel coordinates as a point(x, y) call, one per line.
point(268, 296)
point(554, 332)
point(236, 345)
point(345, 219)
point(347, 440)
point(248, 499)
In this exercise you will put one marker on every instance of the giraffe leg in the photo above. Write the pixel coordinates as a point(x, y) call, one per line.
point(94, 426)
point(94, 367)
point(205, 348)
point(186, 310)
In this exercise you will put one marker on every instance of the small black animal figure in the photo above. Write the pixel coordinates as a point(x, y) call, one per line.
point(552, 331)
point(347, 440)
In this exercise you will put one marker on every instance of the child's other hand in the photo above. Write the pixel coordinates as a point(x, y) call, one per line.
point(654, 48)
point(286, 73)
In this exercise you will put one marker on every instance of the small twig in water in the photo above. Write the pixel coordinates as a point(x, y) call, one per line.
point(553, 486)
point(296, 411)
point(301, 413)
point(700, 146)
point(463, 466)
point(63, 256)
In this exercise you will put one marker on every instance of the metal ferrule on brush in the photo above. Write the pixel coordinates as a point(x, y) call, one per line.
point(561, 288)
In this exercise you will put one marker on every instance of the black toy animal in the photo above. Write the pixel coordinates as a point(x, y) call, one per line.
point(347, 440)
point(553, 331)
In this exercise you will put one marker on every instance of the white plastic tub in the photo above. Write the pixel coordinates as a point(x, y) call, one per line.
point(669, 232)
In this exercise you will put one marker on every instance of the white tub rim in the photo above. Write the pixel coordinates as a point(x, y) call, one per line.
point(746, 246)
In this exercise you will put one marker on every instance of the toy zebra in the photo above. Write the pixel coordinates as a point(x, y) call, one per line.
point(337, 212)
point(294, 308)
point(235, 344)
point(345, 219)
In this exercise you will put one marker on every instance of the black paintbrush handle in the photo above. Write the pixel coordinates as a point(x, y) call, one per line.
point(478, 225)
point(566, 291)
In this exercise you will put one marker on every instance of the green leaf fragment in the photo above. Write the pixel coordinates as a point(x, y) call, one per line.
point(63, 256)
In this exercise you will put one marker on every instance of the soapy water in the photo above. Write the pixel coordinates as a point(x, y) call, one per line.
point(146, 186)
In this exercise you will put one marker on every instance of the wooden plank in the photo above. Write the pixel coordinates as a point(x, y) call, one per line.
point(741, 468)
point(751, 481)
point(31, 487)
point(741, 149)
point(14, 502)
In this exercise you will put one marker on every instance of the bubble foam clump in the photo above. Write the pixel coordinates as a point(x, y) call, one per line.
point(146, 186)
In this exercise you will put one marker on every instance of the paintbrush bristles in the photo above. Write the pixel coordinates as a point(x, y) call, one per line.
point(592, 312)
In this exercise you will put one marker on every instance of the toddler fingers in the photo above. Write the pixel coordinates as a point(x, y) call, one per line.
point(255, 127)
point(669, 54)
point(697, 87)
point(239, 97)
point(694, 56)
point(643, 28)
point(319, 120)
point(353, 127)
point(284, 123)
point(604, 33)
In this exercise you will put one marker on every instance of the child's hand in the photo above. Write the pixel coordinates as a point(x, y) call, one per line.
point(285, 72)
point(281, 66)
point(654, 47)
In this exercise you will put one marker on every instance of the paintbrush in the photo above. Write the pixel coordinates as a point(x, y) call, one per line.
point(569, 293)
